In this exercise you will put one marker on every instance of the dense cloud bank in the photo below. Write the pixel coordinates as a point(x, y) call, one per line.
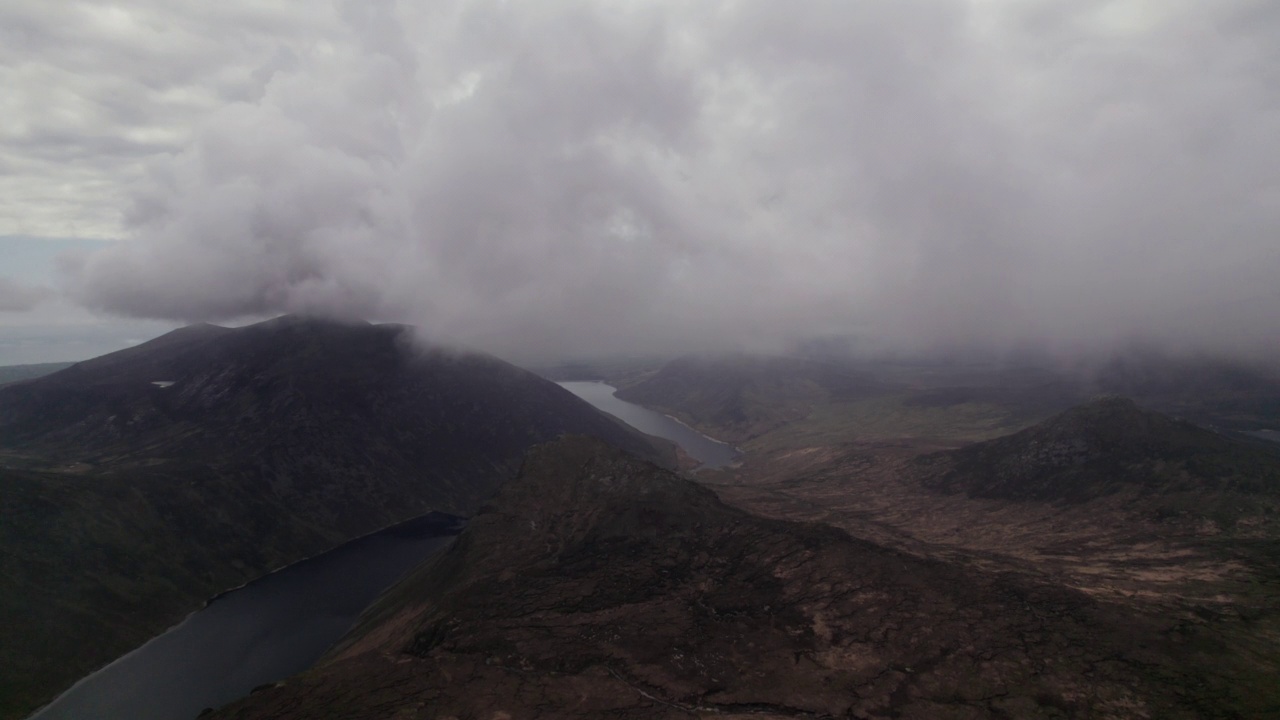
point(568, 176)
point(19, 297)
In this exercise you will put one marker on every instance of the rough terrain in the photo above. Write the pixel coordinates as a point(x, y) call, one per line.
point(597, 585)
point(138, 484)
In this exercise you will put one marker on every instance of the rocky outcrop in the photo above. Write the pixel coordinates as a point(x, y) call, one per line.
point(599, 586)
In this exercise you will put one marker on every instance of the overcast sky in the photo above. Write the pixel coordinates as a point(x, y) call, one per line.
point(562, 177)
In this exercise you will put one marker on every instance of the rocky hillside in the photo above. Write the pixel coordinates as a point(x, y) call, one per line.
point(1108, 446)
point(141, 482)
point(599, 586)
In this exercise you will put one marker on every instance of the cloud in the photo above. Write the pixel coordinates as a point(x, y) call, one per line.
point(94, 89)
point(573, 176)
point(17, 297)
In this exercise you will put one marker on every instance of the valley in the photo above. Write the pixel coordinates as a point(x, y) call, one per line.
point(599, 360)
point(600, 586)
point(893, 541)
point(1144, 543)
point(270, 629)
point(703, 452)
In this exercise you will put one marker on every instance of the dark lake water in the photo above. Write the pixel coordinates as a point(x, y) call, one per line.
point(711, 453)
point(268, 630)
point(279, 625)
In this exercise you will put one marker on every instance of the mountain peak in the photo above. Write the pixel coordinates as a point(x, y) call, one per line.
point(297, 320)
point(1108, 404)
point(211, 455)
point(1105, 424)
point(582, 482)
point(1104, 411)
point(1101, 447)
point(200, 389)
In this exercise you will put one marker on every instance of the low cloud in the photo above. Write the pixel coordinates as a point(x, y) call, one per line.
point(572, 176)
point(17, 297)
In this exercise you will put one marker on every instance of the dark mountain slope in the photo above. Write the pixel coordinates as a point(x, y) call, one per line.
point(598, 586)
point(1108, 446)
point(291, 398)
point(126, 503)
point(1209, 391)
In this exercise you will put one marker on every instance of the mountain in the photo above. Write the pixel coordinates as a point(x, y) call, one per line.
point(596, 585)
point(140, 483)
point(1108, 446)
point(1210, 391)
point(736, 398)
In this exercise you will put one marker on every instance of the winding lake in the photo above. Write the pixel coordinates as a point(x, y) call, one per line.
point(711, 453)
point(272, 628)
point(280, 624)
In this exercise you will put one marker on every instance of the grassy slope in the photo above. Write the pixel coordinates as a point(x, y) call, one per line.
point(738, 398)
point(775, 403)
point(890, 417)
point(94, 565)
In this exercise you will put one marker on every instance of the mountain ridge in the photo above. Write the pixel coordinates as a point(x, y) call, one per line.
point(598, 586)
point(1105, 446)
point(128, 503)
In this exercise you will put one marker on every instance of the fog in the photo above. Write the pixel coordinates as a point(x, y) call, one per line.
point(19, 297)
point(566, 177)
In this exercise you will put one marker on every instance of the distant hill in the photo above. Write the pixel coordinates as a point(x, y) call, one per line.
point(1210, 391)
point(1107, 446)
point(599, 586)
point(14, 373)
point(137, 484)
point(790, 402)
point(736, 398)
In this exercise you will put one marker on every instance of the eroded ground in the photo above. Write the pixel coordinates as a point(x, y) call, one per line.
point(597, 587)
point(1222, 578)
point(1103, 547)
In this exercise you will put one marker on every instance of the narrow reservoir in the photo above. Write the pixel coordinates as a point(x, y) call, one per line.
point(272, 628)
point(280, 624)
point(711, 453)
point(1272, 435)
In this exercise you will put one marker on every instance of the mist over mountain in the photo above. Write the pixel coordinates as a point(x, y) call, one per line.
point(543, 179)
point(140, 483)
point(890, 243)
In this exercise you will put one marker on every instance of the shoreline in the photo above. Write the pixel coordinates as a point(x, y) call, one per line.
point(443, 516)
point(455, 525)
point(735, 448)
point(702, 465)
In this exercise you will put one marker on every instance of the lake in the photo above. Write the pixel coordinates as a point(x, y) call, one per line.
point(272, 628)
point(1272, 435)
point(711, 453)
point(280, 624)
